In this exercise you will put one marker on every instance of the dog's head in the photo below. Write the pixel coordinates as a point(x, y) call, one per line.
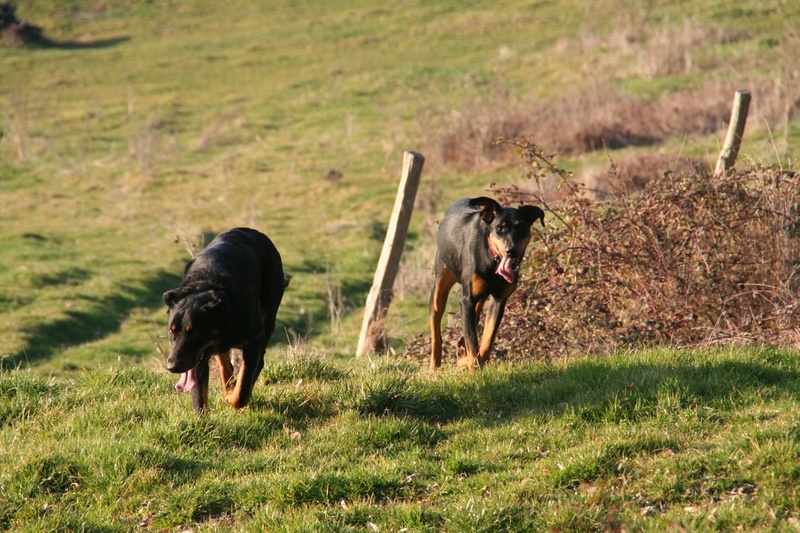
point(509, 232)
point(198, 321)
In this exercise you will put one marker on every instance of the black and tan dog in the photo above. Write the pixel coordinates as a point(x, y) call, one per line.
point(228, 300)
point(479, 245)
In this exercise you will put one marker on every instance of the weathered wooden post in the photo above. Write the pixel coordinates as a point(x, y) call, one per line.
point(373, 328)
point(733, 140)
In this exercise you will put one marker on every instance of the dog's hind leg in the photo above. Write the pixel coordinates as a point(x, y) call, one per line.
point(438, 302)
point(225, 369)
point(252, 362)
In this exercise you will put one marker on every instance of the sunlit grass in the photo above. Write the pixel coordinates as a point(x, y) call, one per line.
point(194, 118)
point(118, 159)
point(643, 439)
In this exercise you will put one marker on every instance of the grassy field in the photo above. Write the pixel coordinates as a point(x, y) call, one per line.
point(658, 440)
point(159, 121)
point(152, 126)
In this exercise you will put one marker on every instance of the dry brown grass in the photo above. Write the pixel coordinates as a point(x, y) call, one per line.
point(602, 119)
point(632, 173)
point(581, 123)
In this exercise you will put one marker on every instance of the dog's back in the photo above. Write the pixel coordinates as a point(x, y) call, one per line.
point(244, 261)
point(456, 234)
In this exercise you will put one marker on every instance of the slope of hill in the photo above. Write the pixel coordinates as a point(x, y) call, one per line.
point(150, 127)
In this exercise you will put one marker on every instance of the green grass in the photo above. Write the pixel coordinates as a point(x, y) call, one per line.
point(186, 119)
point(656, 439)
point(165, 123)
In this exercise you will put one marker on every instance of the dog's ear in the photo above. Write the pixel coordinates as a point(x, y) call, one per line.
point(173, 296)
point(532, 213)
point(214, 300)
point(217, 302)
point(487, 206)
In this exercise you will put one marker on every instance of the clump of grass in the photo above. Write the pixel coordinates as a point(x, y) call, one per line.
point(146, 143)
point(22, 395)
point(52, 475)
point(300, 367)
point(17, 127)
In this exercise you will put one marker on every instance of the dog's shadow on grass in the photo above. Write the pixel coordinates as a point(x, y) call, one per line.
point(595, 391)
point(97, 318)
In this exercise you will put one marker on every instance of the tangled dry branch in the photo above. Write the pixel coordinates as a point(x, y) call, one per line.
point(691, 260)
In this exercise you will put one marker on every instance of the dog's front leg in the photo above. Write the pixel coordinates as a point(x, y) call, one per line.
point(200, 392)
point(252, 363)
point(469, 319)
point(494, 314)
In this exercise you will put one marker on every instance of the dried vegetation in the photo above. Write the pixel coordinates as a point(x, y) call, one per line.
point(691, 260)
point(596, 120)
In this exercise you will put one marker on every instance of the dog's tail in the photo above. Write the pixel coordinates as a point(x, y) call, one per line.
point(286, 279)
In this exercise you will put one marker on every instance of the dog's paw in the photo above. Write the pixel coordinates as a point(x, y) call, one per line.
point(467, 363)
point(234, 400)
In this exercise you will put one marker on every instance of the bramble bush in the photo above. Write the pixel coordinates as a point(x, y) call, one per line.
point(693, 259)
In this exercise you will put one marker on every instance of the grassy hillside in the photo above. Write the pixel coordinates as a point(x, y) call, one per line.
point(655, 441)
point(147, 128)
point(161, 122)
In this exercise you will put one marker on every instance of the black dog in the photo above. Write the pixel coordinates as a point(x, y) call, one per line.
point(480, 245)
point(228, 299)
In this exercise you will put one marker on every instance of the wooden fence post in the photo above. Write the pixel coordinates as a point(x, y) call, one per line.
point(373, 328)
point(733, 140)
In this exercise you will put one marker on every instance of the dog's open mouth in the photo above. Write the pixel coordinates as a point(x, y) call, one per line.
point(507, 268)
point(187, 382)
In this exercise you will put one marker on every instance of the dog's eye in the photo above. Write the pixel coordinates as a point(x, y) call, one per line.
point(172, 329)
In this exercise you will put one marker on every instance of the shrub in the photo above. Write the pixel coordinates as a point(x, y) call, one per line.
point(691, 260)
point(631, 174)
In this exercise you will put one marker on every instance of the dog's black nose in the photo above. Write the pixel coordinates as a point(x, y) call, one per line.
point(174, 366)
point(511, 252)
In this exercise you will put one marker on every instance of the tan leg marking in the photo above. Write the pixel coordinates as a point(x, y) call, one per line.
point(441, 290)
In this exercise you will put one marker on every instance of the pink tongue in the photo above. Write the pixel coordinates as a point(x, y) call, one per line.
point(187, 382)
point(505, 269)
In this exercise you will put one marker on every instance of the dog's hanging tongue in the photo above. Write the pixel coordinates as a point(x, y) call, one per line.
point(506, 269)
point(187, 382)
